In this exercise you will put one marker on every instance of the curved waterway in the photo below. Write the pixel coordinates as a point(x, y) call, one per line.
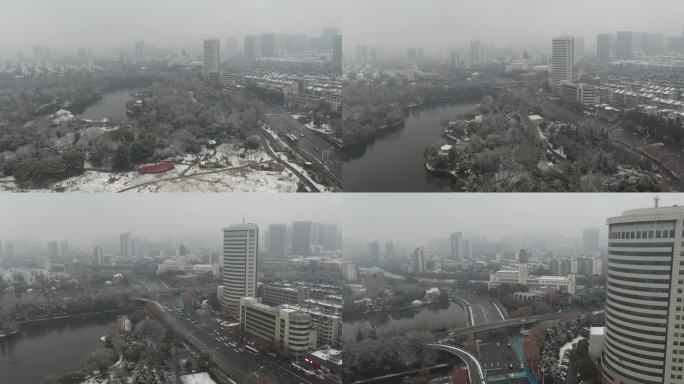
point(394, 161)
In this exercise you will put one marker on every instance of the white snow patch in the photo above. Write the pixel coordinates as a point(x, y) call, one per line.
point(568, 346)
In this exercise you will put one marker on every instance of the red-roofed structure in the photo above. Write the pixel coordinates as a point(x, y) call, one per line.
point(156, 168)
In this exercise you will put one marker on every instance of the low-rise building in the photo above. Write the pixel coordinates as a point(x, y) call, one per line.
point(179, 265)
point(536, 283)
point(597, 341)
point(277, 294)
point(284, 329)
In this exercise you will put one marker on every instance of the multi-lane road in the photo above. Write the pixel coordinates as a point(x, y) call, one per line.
point(233, 359)
point(238, 362)
point(310, 144)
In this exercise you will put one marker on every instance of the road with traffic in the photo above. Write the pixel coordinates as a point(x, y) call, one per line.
point(310, 144)
point(243, 365)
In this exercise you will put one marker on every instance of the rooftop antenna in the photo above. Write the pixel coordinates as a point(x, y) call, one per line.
point(656, 199)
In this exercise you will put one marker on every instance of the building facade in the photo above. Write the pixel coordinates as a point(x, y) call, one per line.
point(240, 253)
point(284, 329)
point(456, 245)
point(562, 62)
point(644, 309)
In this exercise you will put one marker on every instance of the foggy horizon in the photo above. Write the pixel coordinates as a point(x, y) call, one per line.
point(426, 217)
point(107, 25)
point(42, 217)
point(442, 24)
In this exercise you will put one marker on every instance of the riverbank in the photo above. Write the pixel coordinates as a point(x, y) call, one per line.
point(67, 316)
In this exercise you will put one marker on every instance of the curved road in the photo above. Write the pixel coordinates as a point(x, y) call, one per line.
point(475, 373)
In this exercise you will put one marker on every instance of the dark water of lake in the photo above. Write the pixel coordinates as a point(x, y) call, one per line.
point(394, 162)
point(51, 347)
point(112, 106)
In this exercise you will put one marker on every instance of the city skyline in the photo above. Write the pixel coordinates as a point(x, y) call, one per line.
point(55, 24)
point(373, 217)
point(443, 24)
point(42, 217)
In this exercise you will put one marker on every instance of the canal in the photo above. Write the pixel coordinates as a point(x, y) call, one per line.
point(433, 317)
point(51, 347)
point(394, 161)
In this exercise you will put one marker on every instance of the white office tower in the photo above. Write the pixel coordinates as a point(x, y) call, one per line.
point(212, 60)
point(562, 62)
point(644, 309)
point(240, 252)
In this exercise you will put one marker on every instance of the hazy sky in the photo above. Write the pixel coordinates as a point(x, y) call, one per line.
point(407, 218)
point(439, 23)
point(101, 23)
point(83, 217)
point(416, 218)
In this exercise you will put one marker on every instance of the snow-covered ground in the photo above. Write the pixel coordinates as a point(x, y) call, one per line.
point(568, 346)
point(255, 178)
point(243, 180)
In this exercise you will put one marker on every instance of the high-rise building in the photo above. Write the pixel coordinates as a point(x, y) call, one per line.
point(125, 246)
point(337, 54)
point(301, 238)
point(331, 237)
point(374, 252)
point(98, 255)
point(411, 54)
point(276, 240)
point(625, 45)
point(604, 47)
point(389, 250)
point(456, 245)
point(562, 62)
point(47, 263)
point(645, 289)
point(53, 249)
point(419, 260)
point(590, 239)
point(453, 60)
point(252, 46)
point(240, 253)
point(523, 257)
point(467, 249)
point(212, 59)
point(268, 44)
point(476, 52)
point(140, 51)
